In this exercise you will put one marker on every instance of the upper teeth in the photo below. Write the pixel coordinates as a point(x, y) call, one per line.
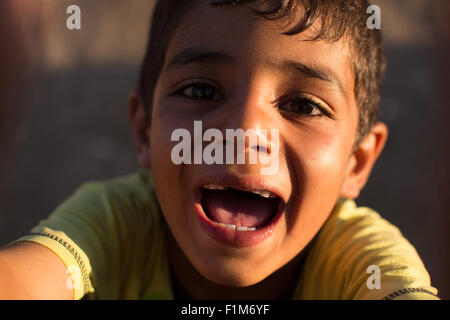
point(262, 193)
point(265, 194)
point(214, 187)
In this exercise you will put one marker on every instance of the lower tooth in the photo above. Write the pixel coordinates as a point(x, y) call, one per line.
point(246, 229)
point(233, 227)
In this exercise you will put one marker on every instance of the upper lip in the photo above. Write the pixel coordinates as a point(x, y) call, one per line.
point(242, 183)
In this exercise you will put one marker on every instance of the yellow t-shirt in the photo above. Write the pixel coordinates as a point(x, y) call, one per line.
point(111, 237)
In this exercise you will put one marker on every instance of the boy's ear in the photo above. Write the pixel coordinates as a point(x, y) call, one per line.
point(140, 128)
point(362, 160)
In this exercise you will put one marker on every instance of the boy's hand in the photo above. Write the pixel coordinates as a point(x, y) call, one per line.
point(30, 271)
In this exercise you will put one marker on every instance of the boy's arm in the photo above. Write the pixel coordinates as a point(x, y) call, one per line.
point(101, 236)
point(31, 271)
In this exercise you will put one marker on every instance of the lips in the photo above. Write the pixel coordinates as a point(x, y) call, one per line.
point(238, 211)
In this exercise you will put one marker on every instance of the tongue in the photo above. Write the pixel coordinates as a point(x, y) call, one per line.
point(243, 209)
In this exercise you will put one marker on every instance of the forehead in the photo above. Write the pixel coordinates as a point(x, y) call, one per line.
point(253, 41)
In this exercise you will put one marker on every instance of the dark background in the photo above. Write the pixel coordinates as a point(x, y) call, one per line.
point(73, 125)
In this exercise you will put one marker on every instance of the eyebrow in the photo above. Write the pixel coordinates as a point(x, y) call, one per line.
point(194, 55)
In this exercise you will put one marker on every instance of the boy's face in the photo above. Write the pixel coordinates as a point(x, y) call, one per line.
point(245, 74)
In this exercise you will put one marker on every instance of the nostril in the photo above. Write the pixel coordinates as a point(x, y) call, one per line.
point(259, 148)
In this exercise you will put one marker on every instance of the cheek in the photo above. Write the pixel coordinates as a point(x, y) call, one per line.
point(166, 174)
point(164, 122)
point(321, 153)
point(160, 144)
point(317, 168)
point(319, 164)
point(325, 163)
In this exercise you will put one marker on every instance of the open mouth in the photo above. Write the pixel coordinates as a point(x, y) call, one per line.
point(240, 210)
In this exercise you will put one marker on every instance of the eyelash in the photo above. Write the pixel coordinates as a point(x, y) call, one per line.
point(323, 112)
point(180, 91)
point(310, 102)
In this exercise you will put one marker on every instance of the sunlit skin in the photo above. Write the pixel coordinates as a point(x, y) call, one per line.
point(254, 86)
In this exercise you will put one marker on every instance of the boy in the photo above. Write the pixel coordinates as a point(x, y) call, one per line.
point(310, 72)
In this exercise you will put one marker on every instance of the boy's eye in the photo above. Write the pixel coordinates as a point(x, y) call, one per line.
point(199, 91)
point(303, 106)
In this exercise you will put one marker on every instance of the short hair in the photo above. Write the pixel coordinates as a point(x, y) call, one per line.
point(338, 18)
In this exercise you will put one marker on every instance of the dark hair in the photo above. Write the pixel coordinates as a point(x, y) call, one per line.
point(338, 18)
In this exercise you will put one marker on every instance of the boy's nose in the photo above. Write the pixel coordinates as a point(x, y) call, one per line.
point(254, 110)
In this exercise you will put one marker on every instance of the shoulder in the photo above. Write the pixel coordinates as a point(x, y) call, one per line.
point(360, 255)
point(130, 194)
point(103, 229)
point(137, 184)
point(121, 208)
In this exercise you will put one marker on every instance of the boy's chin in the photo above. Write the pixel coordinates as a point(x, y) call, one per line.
point(235, 275)
point(234, 280)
